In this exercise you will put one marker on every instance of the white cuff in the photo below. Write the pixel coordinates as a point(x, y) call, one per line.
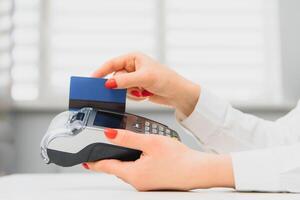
point(274, 169)
point(255, 171)
point(207, 117)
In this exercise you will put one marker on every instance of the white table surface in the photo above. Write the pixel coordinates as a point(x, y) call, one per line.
point(92, 186)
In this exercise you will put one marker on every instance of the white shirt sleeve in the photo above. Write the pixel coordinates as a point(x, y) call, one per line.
point(265, 154)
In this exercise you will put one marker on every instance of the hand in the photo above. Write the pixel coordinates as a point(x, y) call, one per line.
point(165, 164)
point(146, 78)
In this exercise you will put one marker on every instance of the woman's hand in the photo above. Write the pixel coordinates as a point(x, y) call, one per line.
point(146, 78)
point(165, 164)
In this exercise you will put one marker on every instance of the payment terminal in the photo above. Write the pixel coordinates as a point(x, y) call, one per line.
point(74, 137)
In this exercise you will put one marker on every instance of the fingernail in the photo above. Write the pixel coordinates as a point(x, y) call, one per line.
point(85, 165)
point(110, 133)
point(135, 93)
point(111, 83)
point(146, 93)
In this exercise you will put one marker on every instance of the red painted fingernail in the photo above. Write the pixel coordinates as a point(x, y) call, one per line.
point(110, 133)
point(135, 93)
point(111, 83)
point(86, 166)
point(146, 93)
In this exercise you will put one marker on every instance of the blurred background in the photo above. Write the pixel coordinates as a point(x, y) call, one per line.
point(245, 51)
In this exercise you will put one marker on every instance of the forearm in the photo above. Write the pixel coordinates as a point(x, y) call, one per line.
point(224, 129)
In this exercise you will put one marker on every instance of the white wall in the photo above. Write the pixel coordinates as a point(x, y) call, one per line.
point(7, 151)
point(290, 46)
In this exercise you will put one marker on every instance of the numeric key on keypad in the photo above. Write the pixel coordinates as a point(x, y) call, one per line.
point(154, 131)
point(154, 125)
point(161, 128)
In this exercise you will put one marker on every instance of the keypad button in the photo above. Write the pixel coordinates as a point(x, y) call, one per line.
point(154, 125)
point(147, 132)
point(147, 123)
point(154, 131)
point(168, 131)
point(147, 128)
point(137, 125)
point(161, 133)
point(161, 128)
point(174, 134)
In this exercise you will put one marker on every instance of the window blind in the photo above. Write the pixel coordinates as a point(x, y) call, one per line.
point(84, 34)
point(225, 45)
point(26, 52)
point(6, 44)
point(6, 26)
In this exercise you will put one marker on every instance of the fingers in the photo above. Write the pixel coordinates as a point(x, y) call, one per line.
point(128, 80)
point(115, 167)
point(126, 62)
point(130, 139)
point(135, 94)
point(139, 93)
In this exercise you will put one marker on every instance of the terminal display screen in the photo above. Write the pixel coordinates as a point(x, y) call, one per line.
point(110, 120)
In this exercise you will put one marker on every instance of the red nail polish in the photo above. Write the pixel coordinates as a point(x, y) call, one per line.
point(110, 133)
point(111, 83)
point(86, 166)
point(135, 93)
point(146, 93)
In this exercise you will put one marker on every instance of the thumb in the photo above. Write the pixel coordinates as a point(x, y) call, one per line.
point(125, 80)
point(125, 138)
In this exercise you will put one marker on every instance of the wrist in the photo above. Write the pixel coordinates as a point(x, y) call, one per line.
point(211, 170)
point(186, 95)
point(222, 171)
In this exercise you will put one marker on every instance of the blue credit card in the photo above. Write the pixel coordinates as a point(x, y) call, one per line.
point(91, 92)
